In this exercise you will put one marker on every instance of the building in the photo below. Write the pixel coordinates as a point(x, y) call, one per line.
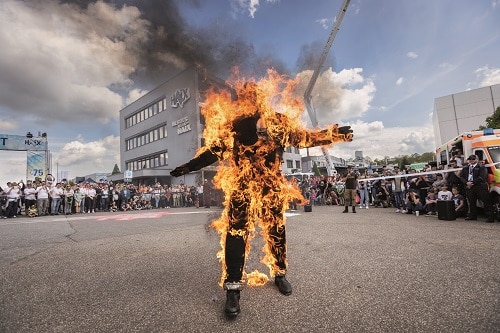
point(163, 129)
point(462, 112)
point(320, 161)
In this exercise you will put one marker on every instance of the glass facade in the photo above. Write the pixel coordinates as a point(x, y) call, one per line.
point(142, 139)
point(148, 162)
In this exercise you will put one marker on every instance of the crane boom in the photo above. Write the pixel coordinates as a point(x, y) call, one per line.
point(314, 78)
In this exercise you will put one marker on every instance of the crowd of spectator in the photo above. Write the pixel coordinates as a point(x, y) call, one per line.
point(48, 197)
point(404, 190)
point(400, 189)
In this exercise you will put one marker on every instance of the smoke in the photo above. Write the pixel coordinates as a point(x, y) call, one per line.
point(309, 57)
point(172, 44)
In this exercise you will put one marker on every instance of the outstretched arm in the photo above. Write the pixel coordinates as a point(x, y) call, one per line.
point(311, 138)
point(204, 158)
point(300, 137)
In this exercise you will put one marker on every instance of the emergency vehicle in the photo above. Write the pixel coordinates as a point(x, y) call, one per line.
point(486, 145)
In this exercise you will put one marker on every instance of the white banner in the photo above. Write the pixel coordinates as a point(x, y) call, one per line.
point(36, 166)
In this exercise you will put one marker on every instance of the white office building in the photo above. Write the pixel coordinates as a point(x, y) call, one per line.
point(464, 111)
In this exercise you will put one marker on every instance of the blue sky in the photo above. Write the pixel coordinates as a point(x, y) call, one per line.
point(67, 68)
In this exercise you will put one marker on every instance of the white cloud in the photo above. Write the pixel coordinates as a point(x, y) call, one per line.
point(134, 95)
point(412, 55)
point(7, 125)
point(324, 22)
point(399, 81)
point(377, 141)
point(495, 3)
point(58, 61)
point(248, 5)
point(339, 96)
point(79, 157)
point(488, 76)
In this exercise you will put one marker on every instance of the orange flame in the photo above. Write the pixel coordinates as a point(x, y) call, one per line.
point(272, 95)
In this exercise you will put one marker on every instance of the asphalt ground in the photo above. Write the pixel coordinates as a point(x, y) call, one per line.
point(156, 271)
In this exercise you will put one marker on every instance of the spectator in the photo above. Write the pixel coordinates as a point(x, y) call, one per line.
point(364, 195)
point(3, 203)
point(42, 201)
point(399, 188)
point(439, 181)
point(453, 178)
point(431, 202)
point(29, 196)
point(78, 197)
point(444, 194)
point(474, 176)
point(381, 195)
point(13, 194)
point(69, 195)
point(55, 193)
point(413, 204)
point(459, 200)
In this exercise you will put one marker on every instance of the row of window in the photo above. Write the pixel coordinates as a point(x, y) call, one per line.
point(289, 164)
point(146, 113)
point(292, 149)
point(148, 137)
point(149, 162)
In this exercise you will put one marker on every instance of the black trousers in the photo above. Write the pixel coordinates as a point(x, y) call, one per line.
point(479, 191)
point(237, 236)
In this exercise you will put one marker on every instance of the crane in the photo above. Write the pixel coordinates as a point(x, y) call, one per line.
point(308, 92)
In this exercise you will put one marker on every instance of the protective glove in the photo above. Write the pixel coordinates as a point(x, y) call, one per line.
point(347, 131)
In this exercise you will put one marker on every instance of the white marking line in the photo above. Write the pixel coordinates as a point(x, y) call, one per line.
point(291, 214)
point(118, 217)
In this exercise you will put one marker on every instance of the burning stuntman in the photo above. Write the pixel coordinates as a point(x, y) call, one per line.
point(251, 143)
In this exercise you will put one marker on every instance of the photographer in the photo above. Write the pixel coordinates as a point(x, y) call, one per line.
point(413, 203)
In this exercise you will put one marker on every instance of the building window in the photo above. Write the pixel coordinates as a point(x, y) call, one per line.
point(289, 164)
point(148, 137)
point(297, 165)
point(153, 161)
point(148, 112)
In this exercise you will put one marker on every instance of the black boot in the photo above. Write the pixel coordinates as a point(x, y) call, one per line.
point(345, 210)
point(354, 209)
point(232, 308)
point(283, 285)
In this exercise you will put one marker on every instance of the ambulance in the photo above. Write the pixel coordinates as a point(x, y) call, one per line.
point(486, 145)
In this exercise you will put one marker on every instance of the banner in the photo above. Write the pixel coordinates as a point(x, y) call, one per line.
point(35, 165)
point(20, 143)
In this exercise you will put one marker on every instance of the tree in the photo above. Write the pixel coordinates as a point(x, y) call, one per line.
point(316, 170)
point(492, 121)
point(116, 170)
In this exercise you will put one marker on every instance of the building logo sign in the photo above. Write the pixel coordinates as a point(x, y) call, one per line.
point(179, 98)
point(182, 125)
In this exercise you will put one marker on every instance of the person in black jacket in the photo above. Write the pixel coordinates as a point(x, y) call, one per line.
point(474, 177)
point(253, 143)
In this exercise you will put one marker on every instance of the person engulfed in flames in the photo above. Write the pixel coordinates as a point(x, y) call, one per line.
point(249, 136)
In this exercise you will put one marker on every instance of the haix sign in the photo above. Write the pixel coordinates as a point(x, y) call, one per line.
point(20, 143)
point(179, 98)
point(182, 125)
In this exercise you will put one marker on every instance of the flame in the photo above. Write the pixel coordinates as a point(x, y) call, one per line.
point(245, 179)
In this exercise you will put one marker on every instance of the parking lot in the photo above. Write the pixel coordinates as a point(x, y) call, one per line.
point(156, 271)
